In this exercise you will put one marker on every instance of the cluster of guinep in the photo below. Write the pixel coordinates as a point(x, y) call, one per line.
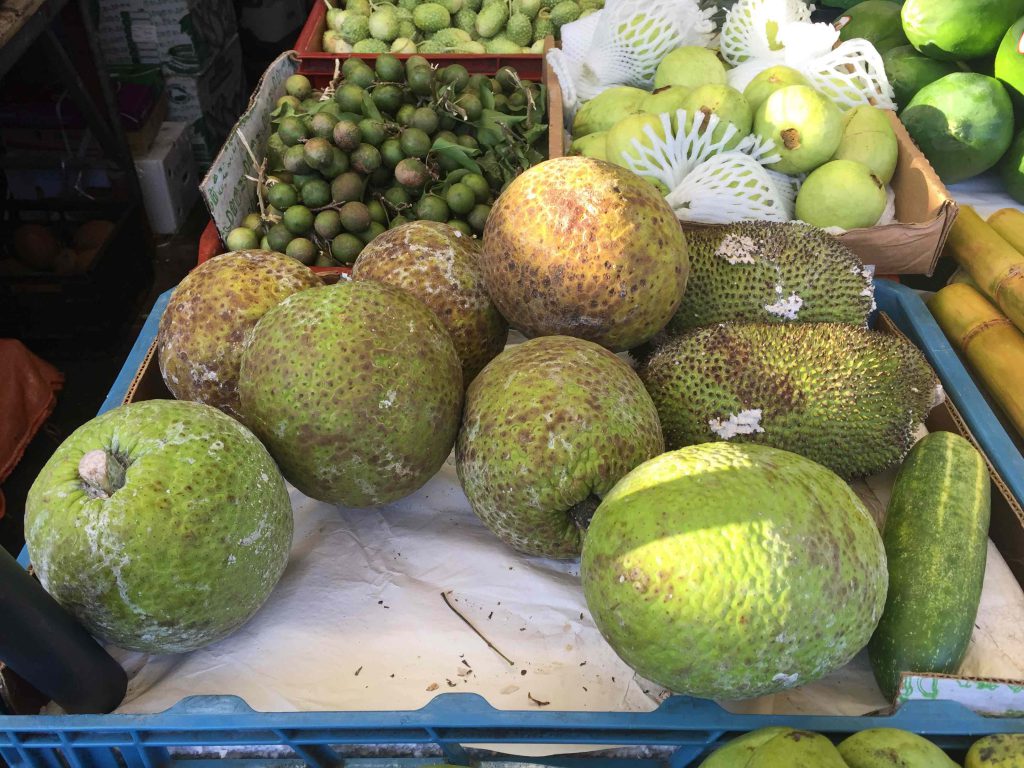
point(754, 368)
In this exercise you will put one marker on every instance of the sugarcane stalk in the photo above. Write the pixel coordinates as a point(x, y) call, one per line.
point(991, 344)
point(994, 264)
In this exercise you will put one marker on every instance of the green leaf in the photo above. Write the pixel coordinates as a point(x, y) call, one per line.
point(456, 153)
point(370, 109)
point(283, 111)
point(487, 98)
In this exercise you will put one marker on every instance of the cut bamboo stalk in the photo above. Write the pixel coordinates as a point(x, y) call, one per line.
point(993, 347)
point(994, 264)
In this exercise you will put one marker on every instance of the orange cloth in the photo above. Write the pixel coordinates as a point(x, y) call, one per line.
point(28, 387)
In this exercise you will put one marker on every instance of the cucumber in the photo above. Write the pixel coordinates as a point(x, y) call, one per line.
point(936, 539)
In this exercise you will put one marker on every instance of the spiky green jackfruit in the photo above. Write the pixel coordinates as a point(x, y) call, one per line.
point(843, 396)
point(772, 272)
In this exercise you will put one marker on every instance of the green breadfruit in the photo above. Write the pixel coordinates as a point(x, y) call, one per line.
point(491, 19)
point(843, 396)
point(466, 20)
point(528, 7)
point(430, 17)
point(771, 272)
point(565, 12)
point(370, 45)
point(501, 44)
point(519, 29)
point(354, 28)
point(543, 26)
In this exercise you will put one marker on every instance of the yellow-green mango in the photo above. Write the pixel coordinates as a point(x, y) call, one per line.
point(1001, 750)
point(736, 754)
point(892, 748)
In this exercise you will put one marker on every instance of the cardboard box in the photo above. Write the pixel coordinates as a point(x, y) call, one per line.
point(925, 212)
point(169, 178)
point(210, 101)
point(184, 36)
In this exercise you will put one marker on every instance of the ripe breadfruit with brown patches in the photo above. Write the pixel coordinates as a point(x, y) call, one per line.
point(355, 389)
point(581, 247)
point(440, 266)
point(550, 426)
point(201, 333)
point(843, 396)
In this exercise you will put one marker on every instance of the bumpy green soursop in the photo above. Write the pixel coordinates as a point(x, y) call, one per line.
point(161, 525)
point(771, 272)
point(550, 425)
point(840, 395)
point(730, 571)
point(213, 309)
point(356, 389)
point(439, 266)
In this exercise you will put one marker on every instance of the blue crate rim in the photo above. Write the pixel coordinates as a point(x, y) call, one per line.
point(450, 720)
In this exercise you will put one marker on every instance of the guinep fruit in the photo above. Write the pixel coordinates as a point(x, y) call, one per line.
point(161, 525)
point(209, 316)
point(580, 247)
point(550, 425)
point(439, 266)
point(320, 361)
point(843, 396)
point(712, 526)
point(804, 125)
point(868, 138)
point(963, 123)
point(841, 193)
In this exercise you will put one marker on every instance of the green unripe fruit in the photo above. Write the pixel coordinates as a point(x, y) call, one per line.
point(278, 237)
point(371, 132)
point(295, 160)
point(282, 196)
point(375, 229)
point(421, 81)
point(519, 29)
point(370, 45)
point(358, 73)
point(460, 198)
point(349, 97)
point(425, 119)
point(254, 222)
point(298, 219)
point(477, 183)
point(389, 69)
point(355, 217)
point(303, 250)
point(338, 164)
point(431, 17)
point(461, 226)
point(292, 131)
point(265, 244)
point(491, 19)
point(455, 75)
point(316, 193)
point(805, 126)
point(383, 24)
point(345, 248)
point(317, 153)
point(404, 114)
point(411, 173)
point(377, 212)
point(478, 217)
point(841, 193)
point(354, 28)
point(414, 142)
point(468, 142)
point(365, 159)
point(363, 7)
point(241, 239)
point(298, 86)
point(290, 100)
point(432, 208)
point(323, 124)
point(327, 224)
point(397, 196)
point(299, 180)
point(391, 153)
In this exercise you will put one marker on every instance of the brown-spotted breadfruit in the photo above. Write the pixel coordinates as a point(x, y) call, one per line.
point(440, 266)
point(843, 396)
point(550, 425)
point(356, 390)
point(213, 309)
point(580, 247)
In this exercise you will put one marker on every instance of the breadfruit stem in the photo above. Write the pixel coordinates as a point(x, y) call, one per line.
point(102, 473)
point(583, 512)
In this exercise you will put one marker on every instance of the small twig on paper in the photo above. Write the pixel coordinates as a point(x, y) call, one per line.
point(538, 702)
point(260, 178)
point(444, 596)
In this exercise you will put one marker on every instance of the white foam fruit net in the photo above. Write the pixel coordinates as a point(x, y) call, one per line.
point(759, 34)
point(707, 181)
point(625, 45)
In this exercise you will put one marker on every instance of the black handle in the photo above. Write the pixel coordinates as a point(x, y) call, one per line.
point(49, 649)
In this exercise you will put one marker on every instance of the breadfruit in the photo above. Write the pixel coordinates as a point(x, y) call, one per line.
point(356, 390)
point(550, 426)
point(771, 272)
point(440, 267)
point(729, 571)
point(162, 526)
point(209, 316)
point(581, 247)
point(843, 396)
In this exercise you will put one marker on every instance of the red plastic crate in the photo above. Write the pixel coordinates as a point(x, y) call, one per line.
point(210, 245)
point(318, 66)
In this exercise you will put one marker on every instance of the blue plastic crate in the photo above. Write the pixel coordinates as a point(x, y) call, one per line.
point(680, 732)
